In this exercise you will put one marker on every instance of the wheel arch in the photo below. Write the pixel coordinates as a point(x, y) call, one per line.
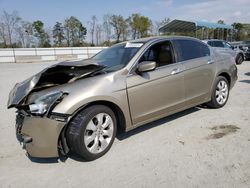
point(121, 121)
point(63, 148)
point(225, 75)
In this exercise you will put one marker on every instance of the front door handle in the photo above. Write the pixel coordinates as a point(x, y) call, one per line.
point(210, 61)
point(175, 71)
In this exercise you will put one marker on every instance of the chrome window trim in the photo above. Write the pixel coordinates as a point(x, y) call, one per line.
point(131, 70)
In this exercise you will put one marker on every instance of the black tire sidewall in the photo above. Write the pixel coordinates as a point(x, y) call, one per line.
point(214, 102)
point(237, 59)
point(83, 119)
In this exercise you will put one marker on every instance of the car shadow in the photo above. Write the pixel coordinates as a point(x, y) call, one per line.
point(247, 73)
point(245, 81)
point(56, 159)
point(43, 160)
point(157, 123)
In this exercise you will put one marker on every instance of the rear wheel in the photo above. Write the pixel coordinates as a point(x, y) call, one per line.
point(220, 93)
point(239, 59)
point(91, 133)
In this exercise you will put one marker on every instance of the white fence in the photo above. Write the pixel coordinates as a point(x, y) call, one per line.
point(25, 55)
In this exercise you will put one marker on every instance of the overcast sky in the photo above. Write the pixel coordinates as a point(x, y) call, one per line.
point(50, 11)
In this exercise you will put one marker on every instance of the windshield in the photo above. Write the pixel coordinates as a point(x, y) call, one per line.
point(118, 56)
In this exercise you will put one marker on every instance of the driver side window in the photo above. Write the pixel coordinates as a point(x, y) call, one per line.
point(161, 53)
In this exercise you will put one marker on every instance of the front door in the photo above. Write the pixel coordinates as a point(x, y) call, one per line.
point(154, 94)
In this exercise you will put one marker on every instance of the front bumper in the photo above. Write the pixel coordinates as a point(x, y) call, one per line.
point(39, 135)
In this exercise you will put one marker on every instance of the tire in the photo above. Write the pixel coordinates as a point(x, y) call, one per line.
point(92, 131)
point(220, 93)
point(239, 59)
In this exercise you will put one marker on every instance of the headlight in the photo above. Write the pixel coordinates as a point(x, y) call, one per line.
point(42, 105)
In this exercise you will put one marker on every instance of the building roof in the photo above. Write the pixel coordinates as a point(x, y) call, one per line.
point(189, 26)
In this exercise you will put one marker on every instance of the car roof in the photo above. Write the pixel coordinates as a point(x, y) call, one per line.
point(150, 39)
point(212, 40)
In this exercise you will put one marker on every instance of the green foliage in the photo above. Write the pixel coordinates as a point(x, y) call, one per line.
point(58, 34)
point(75, 32)
point(220, 22)
point(120, 26)
point(39, 32)
point(140, 25)
point(242, 31)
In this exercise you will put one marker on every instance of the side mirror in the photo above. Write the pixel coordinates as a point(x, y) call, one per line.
point(146, 66)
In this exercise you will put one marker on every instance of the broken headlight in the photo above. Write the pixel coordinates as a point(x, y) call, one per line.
point(44, 103)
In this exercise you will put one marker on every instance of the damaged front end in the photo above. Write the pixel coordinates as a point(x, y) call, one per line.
point(37, 127)
point(62, 73)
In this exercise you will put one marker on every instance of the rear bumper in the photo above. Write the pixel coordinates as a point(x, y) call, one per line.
point(39, 135)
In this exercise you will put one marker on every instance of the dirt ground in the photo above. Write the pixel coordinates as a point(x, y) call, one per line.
point(196, 148)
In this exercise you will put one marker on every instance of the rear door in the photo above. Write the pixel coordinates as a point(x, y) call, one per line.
point(199, 69)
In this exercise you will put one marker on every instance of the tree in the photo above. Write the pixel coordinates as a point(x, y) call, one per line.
point(3, 35)
point(125, 30)
point(140, 25)
point(145, 24)
point(58, 34)
point(98, 33)
point(221, 22)
point(165, 21)
point(92, 24)
point(10, 23)
point(24, 32)
point(75, 31)
point(119, 24)
point(39, 32)
point(238, 27)
point(158, 24)
point(107, 27)
point(134, 24)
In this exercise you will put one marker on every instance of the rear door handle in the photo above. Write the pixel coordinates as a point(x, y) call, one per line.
point(176, 71)
point(210, 61)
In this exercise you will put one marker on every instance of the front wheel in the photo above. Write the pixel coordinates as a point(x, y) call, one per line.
point(220, 93)
point(92, 132)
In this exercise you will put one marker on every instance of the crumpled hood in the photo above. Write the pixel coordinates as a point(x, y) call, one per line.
point(61, 73)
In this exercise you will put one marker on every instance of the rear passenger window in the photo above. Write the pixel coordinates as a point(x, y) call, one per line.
point(218, 44)
point(210, 43)
point(190, 49)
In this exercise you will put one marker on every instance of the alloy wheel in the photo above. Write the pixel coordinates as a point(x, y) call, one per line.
point(221, 92)
point(99, 133)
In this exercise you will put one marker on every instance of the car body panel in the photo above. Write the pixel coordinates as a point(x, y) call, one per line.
point(198, 74)
point(156, 92)
point(45, 133)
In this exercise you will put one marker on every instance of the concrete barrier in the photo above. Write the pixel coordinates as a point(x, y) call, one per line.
point(29, 55)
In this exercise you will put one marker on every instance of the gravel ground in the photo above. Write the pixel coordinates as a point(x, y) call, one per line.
point(196, 148)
